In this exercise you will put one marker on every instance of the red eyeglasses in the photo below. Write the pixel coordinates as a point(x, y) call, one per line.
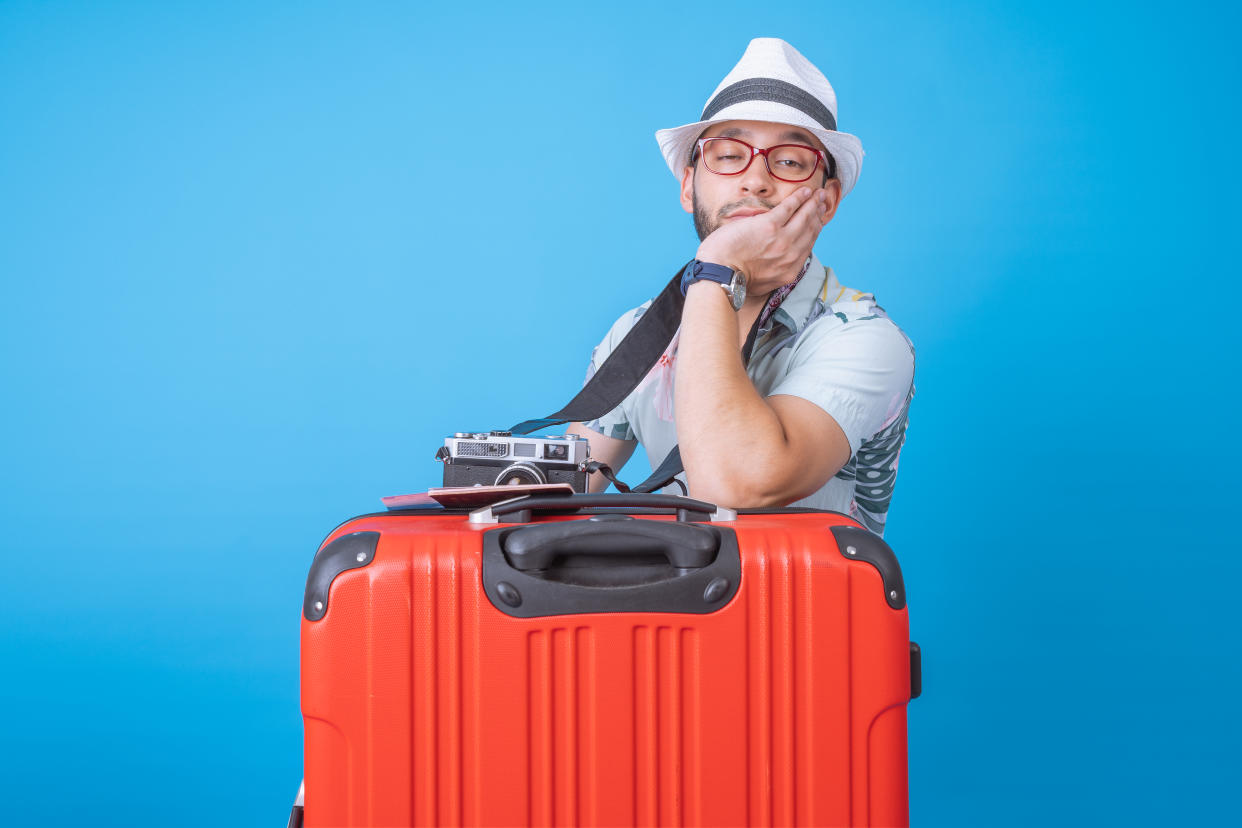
point(788, 162)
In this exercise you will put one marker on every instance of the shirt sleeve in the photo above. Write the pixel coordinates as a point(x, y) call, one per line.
point(859, 371)
point(615, 423)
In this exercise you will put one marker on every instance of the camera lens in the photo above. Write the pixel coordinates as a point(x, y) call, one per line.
point(521, 474)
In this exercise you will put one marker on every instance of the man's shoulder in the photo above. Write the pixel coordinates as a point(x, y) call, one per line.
point(625, 323)
point(631, 316)
point(844, 312)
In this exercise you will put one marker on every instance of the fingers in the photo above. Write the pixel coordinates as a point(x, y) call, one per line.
point(814, 209)
point(809, 215)
point(804, 206)
point(807, 222)
point(791, 205)
point(810, 219)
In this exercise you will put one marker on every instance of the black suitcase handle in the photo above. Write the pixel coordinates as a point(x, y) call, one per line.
point(522, 509)
point(610, 563)
point(683, 545)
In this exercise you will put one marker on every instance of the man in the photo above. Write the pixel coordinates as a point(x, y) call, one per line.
point(817, 417)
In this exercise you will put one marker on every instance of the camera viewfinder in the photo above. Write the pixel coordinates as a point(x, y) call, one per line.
point(553, 451)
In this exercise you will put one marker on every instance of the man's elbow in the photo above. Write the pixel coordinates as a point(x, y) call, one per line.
point(749, 491)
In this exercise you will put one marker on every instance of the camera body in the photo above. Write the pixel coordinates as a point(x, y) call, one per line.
point(497, 458)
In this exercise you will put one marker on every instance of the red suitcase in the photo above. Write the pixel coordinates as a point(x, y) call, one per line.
point(605, 660)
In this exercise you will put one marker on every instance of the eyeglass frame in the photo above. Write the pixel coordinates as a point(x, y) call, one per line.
point(829, 162)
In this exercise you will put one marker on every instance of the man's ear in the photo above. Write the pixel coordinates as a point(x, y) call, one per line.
point(687, 189)
point(833, 188)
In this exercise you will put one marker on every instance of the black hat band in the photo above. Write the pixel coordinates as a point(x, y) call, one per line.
point(776, 91)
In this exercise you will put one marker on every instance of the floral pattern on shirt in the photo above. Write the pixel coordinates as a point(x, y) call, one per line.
point(873, 468)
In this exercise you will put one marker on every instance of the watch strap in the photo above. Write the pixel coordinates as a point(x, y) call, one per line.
point(699, 270)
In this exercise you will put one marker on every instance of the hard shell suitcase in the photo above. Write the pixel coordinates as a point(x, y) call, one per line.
point(605, 660)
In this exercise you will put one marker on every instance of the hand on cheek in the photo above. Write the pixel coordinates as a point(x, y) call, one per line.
point(770, 248)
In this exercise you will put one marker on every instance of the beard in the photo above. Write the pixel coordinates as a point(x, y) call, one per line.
point(703, 223)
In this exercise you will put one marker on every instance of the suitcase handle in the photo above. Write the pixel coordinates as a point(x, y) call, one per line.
point(610, 563)
point(684, 545)
point(522, 509)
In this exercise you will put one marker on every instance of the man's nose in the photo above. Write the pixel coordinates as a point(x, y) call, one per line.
point(756, 178)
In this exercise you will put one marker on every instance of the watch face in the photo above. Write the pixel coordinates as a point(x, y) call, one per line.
point(737, 289)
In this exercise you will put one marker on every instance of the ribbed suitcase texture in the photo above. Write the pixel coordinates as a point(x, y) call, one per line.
point(426, 705)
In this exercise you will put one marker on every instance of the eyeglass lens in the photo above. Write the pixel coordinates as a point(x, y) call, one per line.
point(788, 162)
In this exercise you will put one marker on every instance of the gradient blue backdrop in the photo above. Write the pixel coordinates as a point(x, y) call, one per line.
point(246, 291)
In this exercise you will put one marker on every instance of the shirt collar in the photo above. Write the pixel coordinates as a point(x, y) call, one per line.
point(818, 283)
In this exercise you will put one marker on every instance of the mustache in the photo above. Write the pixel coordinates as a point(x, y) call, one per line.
point(754, 204)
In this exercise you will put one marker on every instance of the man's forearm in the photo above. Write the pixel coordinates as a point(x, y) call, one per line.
point(731, 440)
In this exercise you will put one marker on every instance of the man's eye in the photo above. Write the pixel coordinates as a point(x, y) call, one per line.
point(790, 164)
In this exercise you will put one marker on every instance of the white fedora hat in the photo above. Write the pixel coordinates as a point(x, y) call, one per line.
point(772, 82)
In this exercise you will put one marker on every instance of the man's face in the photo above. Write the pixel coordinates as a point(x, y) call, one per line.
point(716, 199)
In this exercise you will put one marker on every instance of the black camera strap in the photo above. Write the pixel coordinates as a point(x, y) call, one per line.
point(625, 367)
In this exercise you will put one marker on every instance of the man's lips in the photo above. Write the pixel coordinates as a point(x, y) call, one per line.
point(744, 212)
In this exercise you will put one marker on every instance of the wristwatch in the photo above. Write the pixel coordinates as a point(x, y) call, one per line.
point(733, 281)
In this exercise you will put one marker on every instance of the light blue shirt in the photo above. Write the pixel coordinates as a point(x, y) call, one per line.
point(826, 343)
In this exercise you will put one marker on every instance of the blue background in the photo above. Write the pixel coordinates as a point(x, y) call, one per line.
point(247, 290)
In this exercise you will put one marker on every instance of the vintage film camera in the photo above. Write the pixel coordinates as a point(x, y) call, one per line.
point(497, 458)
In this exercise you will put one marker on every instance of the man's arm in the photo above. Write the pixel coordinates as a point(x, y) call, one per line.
point(609, 450)
point(739, 449)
